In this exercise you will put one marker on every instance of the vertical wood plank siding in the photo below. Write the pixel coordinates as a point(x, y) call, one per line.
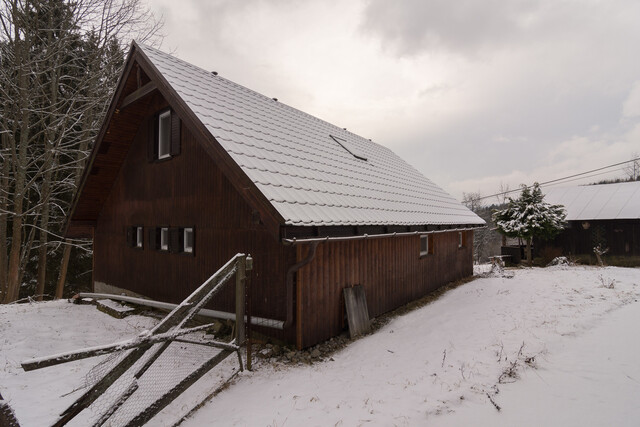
point(190, 190)
point(391, 271)
point(187, 190)
point(621, 236)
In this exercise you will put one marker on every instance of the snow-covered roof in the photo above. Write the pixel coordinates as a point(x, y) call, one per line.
point(590, 202)
point(312, 172)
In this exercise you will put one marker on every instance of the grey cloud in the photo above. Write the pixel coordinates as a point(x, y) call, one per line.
point(472, 27)
point(464, 26)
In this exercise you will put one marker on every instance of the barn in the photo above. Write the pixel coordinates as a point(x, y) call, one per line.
point(605, 214)
point(190, 168)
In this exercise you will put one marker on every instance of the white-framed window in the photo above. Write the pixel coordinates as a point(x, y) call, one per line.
point(424, 244)
point(164, 239)
point(188, 240)
point(164, 135)
point(139, 237)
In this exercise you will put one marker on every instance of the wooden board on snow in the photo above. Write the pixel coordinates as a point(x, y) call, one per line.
point(113, 308)
point(355, 303)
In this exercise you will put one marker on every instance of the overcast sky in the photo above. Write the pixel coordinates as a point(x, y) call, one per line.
point(471, 93)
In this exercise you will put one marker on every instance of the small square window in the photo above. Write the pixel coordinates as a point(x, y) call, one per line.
point(188, 240)
point(164, 135)
point(164, 239)
point(139, 237)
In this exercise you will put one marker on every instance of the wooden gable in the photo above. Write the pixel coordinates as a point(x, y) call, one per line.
point(125, 115)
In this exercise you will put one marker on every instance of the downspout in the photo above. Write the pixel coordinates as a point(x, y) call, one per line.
point(292, 270)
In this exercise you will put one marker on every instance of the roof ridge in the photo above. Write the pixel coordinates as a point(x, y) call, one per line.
point(303, 173)
point(282, 104)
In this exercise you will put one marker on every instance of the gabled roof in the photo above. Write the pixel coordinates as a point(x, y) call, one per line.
point(592, 202)
point(312, 172)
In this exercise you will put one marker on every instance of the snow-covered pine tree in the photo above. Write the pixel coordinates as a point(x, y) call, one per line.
point(530, 216)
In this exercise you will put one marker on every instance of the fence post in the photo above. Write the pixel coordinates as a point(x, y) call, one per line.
point(247, 285)
point(240, 281)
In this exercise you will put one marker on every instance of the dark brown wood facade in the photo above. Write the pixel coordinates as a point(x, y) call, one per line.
point(201, 187)
point(188, 190)
point(622, 237)
point(391, 271)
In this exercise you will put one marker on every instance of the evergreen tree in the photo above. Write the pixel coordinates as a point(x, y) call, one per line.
point(530, 216)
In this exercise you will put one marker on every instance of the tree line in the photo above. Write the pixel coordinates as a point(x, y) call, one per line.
point(59, 65)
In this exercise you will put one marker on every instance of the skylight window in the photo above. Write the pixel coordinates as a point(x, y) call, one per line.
point(351, 148)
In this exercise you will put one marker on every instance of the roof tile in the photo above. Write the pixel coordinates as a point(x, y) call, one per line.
point(306, 175)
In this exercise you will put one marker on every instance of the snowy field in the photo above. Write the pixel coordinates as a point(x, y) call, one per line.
point(556, 346)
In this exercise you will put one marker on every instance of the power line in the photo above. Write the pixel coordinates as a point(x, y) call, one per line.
point(583, 177)
point(566, 178)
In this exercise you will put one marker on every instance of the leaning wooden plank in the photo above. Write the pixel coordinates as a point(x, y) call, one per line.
point(152, 359)
point(178, 317)
point(7, 416)
point(189, 307)
point(170, 396)
point(43, 362)
point(355, 303)
point(206, 399)
point(123, 398)
point(101, 386)
point(186, 310)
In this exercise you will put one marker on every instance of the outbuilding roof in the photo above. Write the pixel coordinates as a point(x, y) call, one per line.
point(593, 202)
point(312, 172)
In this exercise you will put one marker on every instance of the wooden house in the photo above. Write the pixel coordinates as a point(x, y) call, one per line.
point(190, 168)
point(606, 214)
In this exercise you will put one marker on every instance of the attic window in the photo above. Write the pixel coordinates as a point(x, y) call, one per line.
point(351, 148)
point(164, 135)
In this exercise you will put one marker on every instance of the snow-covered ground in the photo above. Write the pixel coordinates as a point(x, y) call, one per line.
point(555, 346)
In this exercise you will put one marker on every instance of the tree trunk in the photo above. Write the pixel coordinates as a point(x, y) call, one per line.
point(4, 205)
point(13, 276)
point(529, 259)
point(62, 276)
point(44, 236)
point(42, 265)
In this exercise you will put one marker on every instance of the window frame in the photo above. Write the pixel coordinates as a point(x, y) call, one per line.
point(163, 115)
point(462, 239)
point(429, 249)
point(163, 241)
point(425, 238)
point(139, 237)
point(188, 249)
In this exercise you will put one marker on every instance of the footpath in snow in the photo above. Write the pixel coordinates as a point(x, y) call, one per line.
point(549, 347)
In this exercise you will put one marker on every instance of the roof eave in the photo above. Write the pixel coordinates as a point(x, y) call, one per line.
point(130, 60)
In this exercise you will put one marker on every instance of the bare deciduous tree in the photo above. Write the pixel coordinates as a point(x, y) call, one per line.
point(59, 62)
point(632, 169)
